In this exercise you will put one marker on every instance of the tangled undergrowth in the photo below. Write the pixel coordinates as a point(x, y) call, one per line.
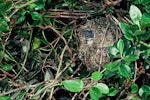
point(40, 50)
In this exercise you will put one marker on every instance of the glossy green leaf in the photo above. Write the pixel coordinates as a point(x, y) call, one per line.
point(120, 46)
point(143, 37)
point(3, 25)
point(113, 51)
point(32, 6)
point(5, 6)
point(128, 37)
point(23, 12)
point(36, 16)
point(145, 20)
point(144, 91)
point(112, 92)
point(125, 71)
point(134, 88)
point(109, 73)
point(95, 93)
point(129, 51)
point(131, 58)
point(125, 28)
point(39, 5)
point(96, 76)
point(127, 44)
point(135, 14)
point(148, 52)
point(20, 19)
point(103, 88)
point(113, 66)
point(139, 32)
point(137, 1)
point(134, 98)
point(36, 43)
point(73, 85)
point(6, 67)
point(143, 2)
point(5, 98)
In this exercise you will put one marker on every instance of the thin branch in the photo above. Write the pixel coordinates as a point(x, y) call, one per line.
point(102, 43)
point(135, 73)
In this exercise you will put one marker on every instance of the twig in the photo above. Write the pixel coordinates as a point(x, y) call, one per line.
point(58, 70)
point(14, 90)
point(20, 88)
point(61, 36)
point(19, 7)
point(58, 73)
point(53, 47)
point(60, 13)
point(4, 46)
point(122, 92)
point(26, 55)
point(74, 96)
point(135, 73)
point(86, 95)
point(103, 38)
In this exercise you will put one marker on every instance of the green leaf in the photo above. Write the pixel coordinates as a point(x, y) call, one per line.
point(4, 7)
point(144, 91)
point(20, 19)
point(36, 16)
point(145, 20)
point(40, 4)
point(143, 2)
point(112, 92)
point(6, 67)
point(120, 46)
point(36, 43)
point(109, 73)
point(3, 25)
point(113, 51)
point(96, 76)
point(135, 14)
point(134, 88)
point(21, 95)
point(131, 58)
point(128, 37)
point(103, 88)
point(5, 98)
point(139, 32)
point(95, 93)
point(125, 28)
point(148, 52)
point(73, 85)
point(125, 71)
point(134, 98)
point(148, 8)
point(32, 6)
point(113, 66)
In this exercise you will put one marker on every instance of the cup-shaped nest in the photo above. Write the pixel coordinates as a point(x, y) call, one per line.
point(96, 36)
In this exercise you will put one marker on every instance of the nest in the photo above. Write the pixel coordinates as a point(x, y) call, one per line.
point(96, 36)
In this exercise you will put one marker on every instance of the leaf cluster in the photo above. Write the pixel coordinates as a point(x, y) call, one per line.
point(38, 53)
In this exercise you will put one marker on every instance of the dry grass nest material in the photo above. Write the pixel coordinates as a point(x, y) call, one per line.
point(95, 36)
